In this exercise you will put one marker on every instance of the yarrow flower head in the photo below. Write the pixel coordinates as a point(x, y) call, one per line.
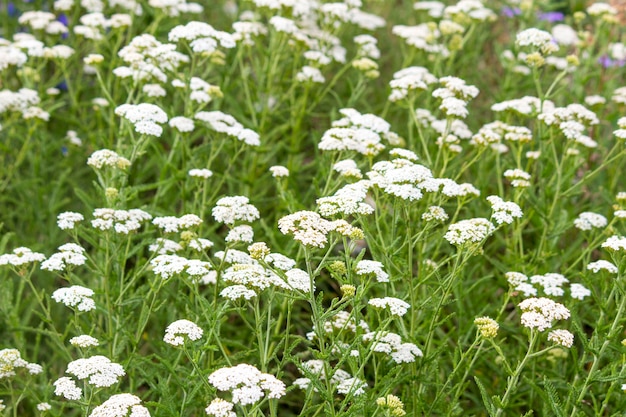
point(504, 211)
point(99, 369)
point(487, 327)
point(84, 341)
point(538, 39)
point(589, 221)
point(561, 337)
point(395, 306)
point(145, 117)
point(68, 219)
point(615, 243)
point(107, 158)
point(597, 266)
point(307, 227)
point(375, 268)
point(172, 224)
point(220, 408)
point(175, 332)
point(75, 296)
point(122, 221)
point(21, 256)
point(69, 254)
point(11, 360)
point(540, 313)
point(66, 387)
point(200, 173)
point(247, 384)
point(224, 123)
point(120, 405)
point(228, 210)
point(391, 344)
point(469, 231)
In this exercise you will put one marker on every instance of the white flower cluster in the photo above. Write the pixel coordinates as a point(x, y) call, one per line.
point(177, 7)
point(229, 210)
point(395, 306)
point(75, 296)
point(525, 106)
point(517, 177)
point(433, 8)
point(227, 124)
point(175, 331)
point(171, 224)
point(11, 56)
point(357, 132)
point(550, 283)
point(279, 171)
point(94, 25)
point(246, 31)
point(600, 9)
point(66, 387)
point(84, 341)
point(144, 116)
point(220, 408)
point(400, 178)
point(540, 313)
point(520, 282)
point(561, 337)
point(538, 39)
point(348, 200)
point(11, 359)
point(410, 80)
point(200, 173)
point(598, 266)
point(423, 37)
point(435, 213)
point(166, 266)
point(19, 101)
point(341, 322)
point(202, 37)
point(40, 20)
point(454, 95)
point(469, 231)
point(588, 221)
point(621, 132)
point(391, 344)
point(496, 132)
point(254, 276)
point(148, 59)
point(121, 405)
point(616, 243)
point(107, 158)
point(504, 211)
point(366, 267)
point(99, 370)
point(122, 221)
point(307, 227)
point(182, 124)
point(571, 122)
point(69, 254)
point(341, 380)
point(247, 384)
point(21, 256)
point(67, 220)
point(242, 233)
point(469, 10)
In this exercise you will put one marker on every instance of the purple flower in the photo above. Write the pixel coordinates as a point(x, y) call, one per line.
point(11, 9)
point(511, 11)
point(63, 19)
point(551, 16)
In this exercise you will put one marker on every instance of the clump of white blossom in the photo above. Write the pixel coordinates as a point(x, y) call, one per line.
point(247, 384)
point(176, 332)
